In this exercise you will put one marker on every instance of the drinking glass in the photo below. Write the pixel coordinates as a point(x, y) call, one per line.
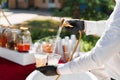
point(53, 59)
point(41, 59)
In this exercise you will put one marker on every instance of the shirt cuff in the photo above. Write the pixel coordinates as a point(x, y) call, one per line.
point(90, 27)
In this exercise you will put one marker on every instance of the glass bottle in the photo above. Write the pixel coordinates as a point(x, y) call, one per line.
point(24, 42)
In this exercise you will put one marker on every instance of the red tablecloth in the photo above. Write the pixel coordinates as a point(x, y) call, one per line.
point(12, 71)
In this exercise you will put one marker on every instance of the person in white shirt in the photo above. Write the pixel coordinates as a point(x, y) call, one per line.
point(106, 51)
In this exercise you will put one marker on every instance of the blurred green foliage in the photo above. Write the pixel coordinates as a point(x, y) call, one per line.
point(88, 42)
point(1, 1)
point(91, 10)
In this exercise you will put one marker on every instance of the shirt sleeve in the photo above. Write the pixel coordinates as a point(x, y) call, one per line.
point(117, 1)
point(95, 27)
point(107, 45)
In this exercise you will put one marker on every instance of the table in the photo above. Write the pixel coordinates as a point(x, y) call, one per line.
point(21, 58)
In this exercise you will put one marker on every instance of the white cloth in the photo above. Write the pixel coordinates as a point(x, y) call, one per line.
point(36, 75)
point(105, 52)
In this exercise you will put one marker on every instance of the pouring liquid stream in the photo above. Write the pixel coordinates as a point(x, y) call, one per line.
point(58, 33)
point(57, 37)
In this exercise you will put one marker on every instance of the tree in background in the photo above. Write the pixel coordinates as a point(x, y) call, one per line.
point(86, 9)
point(69, 8)
point(1, 1)
point(96, 9)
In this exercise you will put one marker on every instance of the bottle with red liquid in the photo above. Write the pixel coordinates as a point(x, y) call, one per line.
point(9, 38)
point(24, 42)
point(6, 37)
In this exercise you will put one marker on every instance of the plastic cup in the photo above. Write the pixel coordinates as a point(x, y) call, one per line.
point(41, 60)
point(53, 59)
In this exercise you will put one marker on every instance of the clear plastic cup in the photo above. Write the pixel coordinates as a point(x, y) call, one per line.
point(41, 60)
point(53, 59)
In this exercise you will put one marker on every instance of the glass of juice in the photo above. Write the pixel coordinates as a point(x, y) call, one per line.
point(41, 59)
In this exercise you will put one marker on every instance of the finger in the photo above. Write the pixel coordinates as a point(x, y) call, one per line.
point(66, 24)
